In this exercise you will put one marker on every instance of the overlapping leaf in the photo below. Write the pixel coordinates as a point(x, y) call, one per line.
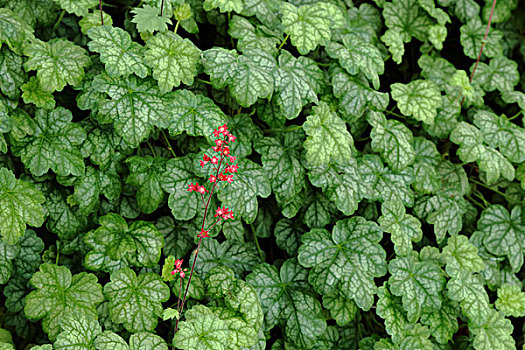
point(135, 300)
point(21, 204)
point(60, 294)
point(58, 62)
point(349, 258)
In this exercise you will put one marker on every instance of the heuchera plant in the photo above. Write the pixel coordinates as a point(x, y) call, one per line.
point(262, 174)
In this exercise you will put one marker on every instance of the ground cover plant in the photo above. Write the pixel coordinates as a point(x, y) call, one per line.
point(262, 174)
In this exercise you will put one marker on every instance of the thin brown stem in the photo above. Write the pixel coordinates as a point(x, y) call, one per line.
point(161, 7)
point(198, 247)
point(101, 16)
point(481, 48)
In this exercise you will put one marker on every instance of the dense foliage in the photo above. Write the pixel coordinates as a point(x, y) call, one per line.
point(378, 201)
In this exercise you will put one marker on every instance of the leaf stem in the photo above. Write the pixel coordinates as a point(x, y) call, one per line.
point(161, 8)
point(394, 114)
point(293, 128)
point(101, 16)
point(176, 27)
point(489, 188)
point(481, 48)
point(284, 41)
point(256, 242)
point(151, 149)
point(168, 143)
point(58, 253)
point(204, 81)
point(58, 22)
point(515, 115)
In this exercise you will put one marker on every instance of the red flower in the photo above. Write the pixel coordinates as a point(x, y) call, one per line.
point(231, 138)
point(192, 187)
point(213, 178)
point(220, 212)
point(214, 160)
point(226, 150)
point(223, 129)
point(201, 189)
point(232, 159)
point(203, 233)
point(229, 179)
point(231, 168)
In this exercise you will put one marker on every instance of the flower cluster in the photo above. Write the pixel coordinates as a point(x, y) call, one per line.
point(224, 213)
point(223, 139)
point(179, 269)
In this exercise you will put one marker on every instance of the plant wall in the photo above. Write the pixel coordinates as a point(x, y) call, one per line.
point(374, 200)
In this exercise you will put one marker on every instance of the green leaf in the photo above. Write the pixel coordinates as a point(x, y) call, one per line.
point(239, 257)
point(495, 334)
point(511, 300)
point(196, 115)
point(443, 323)
point(12, 75)
point(170, 313)
point(202, 330)
point(297, 82)
point(356, 55)
point(63, 220)
point(148, 19)
point(407, 18)
point(240, 196)
point(403, 227)
point(14, 31)
point(92, 20)
point(108, 340)
point(250, 37)
point(134, 108)
point(426, 178)
point(419, 99)
point(286, 296)
point(437, 13)
point(390, 309)
point(58, 63)
point(392, 139)
point(146, 174)
point(121, 55)
point(136, 301)
point(140, 241)
point(501, 73)
point(288, 235)
point(466, 9)
point(328, 138)
point(470, 141)
point(78, 332)
point(7, 254)
point(419, 283)
point(472, 35)
point(266, 11)
point(179, 174)
point(250, 76)
point(503, 134)
point(281, 164)
point(310, 25)
point(355, 95)
point(21, 204)
point(146, 340)
point(342, 309)
point(59, 294)
point(34, 93)
point(468, 290)
point(350, 257)
point(460, 254)
point(503, 233)
point(224, 5)
point(54, 144)
point(173, 60)
point(394, 40)
point(78, 7)
point(379, 183)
